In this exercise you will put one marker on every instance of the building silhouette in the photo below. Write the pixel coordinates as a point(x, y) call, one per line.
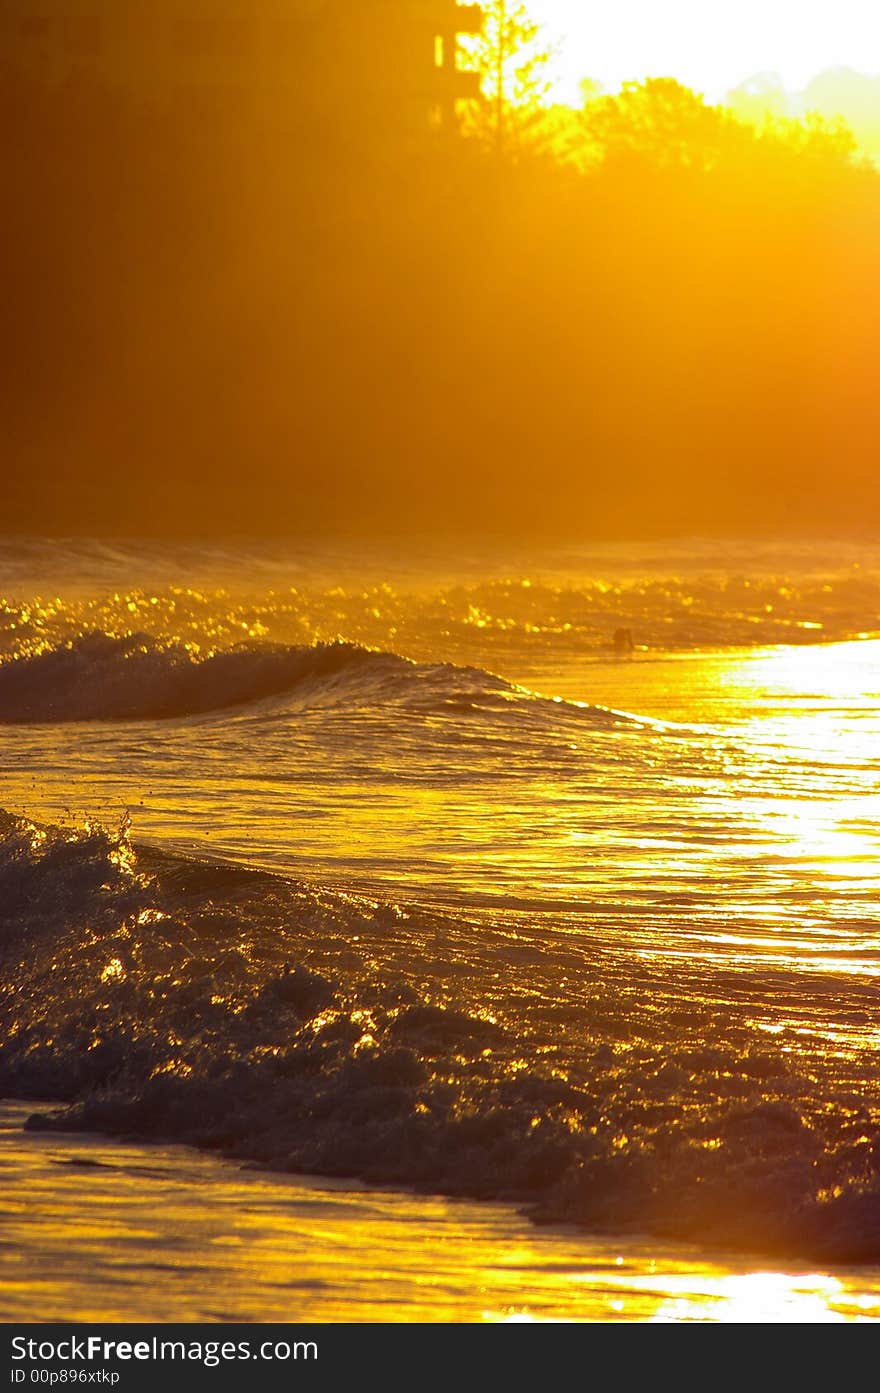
point(373, 58)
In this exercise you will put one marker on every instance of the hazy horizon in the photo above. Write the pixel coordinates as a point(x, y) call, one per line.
point(310, 284)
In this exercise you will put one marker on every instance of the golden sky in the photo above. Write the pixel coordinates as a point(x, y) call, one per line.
point(711, 45)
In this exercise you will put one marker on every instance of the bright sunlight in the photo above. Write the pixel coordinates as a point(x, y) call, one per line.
point(710, 47)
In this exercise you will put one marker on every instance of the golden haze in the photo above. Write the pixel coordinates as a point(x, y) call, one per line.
point(294, 286)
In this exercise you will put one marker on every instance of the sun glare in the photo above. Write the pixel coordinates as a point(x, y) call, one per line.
point(710, 47)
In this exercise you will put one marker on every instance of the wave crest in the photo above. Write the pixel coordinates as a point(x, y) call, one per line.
point(100, 676)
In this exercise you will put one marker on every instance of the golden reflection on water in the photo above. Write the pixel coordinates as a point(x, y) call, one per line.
point(104, 1231)
point(720, 1297)
point(826, 673)
point(766, 1298)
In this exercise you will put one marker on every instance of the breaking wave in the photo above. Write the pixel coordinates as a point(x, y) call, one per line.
point(343, 1035)
point(100, 676)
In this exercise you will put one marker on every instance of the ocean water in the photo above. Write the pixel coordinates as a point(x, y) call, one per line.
point(121, 1231)
point(385, 862)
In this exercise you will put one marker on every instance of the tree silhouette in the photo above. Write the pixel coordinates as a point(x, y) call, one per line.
point(513, 59)
point(662, 124)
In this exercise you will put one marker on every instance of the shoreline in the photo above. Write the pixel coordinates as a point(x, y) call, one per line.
point(65, 1121)
point(236, 1243)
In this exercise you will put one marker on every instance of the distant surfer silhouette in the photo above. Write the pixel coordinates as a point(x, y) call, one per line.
point(623, 641)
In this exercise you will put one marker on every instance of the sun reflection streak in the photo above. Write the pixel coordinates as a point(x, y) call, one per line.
point(637, 1290)
point(759, 1298)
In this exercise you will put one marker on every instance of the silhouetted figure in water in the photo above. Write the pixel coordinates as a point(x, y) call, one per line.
point(623, 641)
